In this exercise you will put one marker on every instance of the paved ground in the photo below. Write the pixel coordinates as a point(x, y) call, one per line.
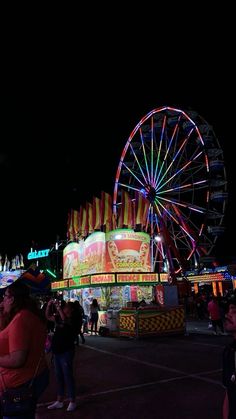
point(172, 377)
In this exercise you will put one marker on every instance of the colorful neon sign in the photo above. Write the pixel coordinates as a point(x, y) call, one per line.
point(152, 277)
point(39, 254)
point(103, 279)
point(59, 285)
point(208, 277)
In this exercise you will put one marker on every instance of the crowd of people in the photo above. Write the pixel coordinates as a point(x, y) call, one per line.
point(24, 327)
point(197, 305)
point(221, 313)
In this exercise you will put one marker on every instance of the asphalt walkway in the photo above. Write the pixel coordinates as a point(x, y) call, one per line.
point(163, 377)
point(199, 327)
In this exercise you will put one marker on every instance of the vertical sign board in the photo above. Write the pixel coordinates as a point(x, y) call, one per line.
point(73, 259)
point(94, 253)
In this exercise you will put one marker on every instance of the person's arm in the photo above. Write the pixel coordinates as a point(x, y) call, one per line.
point(19, 341)
point(60, 311)
point(48, 314)
point(15, 359)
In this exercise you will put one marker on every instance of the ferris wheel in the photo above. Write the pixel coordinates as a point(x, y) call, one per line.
point(174, 159)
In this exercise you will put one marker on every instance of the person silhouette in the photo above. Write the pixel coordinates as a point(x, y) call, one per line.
point(94, 309)
point(229, 364)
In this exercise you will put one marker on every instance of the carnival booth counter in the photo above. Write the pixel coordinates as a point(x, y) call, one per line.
point(151, 321)
point(163, 317)
point(110, 291)
point(120, 306)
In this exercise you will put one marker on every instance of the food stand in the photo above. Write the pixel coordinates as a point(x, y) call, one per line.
point(117, 313)
point(115, 269)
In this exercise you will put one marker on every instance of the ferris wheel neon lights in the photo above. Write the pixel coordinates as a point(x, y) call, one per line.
point(168, 158)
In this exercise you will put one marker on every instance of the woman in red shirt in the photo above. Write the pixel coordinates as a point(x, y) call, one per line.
point(22, 342)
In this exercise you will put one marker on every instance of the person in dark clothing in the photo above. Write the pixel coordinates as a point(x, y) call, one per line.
point(78, 315)
point(63, 352)
point(94, 309)
point(229, 365)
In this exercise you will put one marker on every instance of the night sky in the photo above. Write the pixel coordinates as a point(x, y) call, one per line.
point(62, 136)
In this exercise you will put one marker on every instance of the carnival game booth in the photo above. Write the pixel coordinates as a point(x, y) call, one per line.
point(8, 277)
point(218, 280)
point(37, 281)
